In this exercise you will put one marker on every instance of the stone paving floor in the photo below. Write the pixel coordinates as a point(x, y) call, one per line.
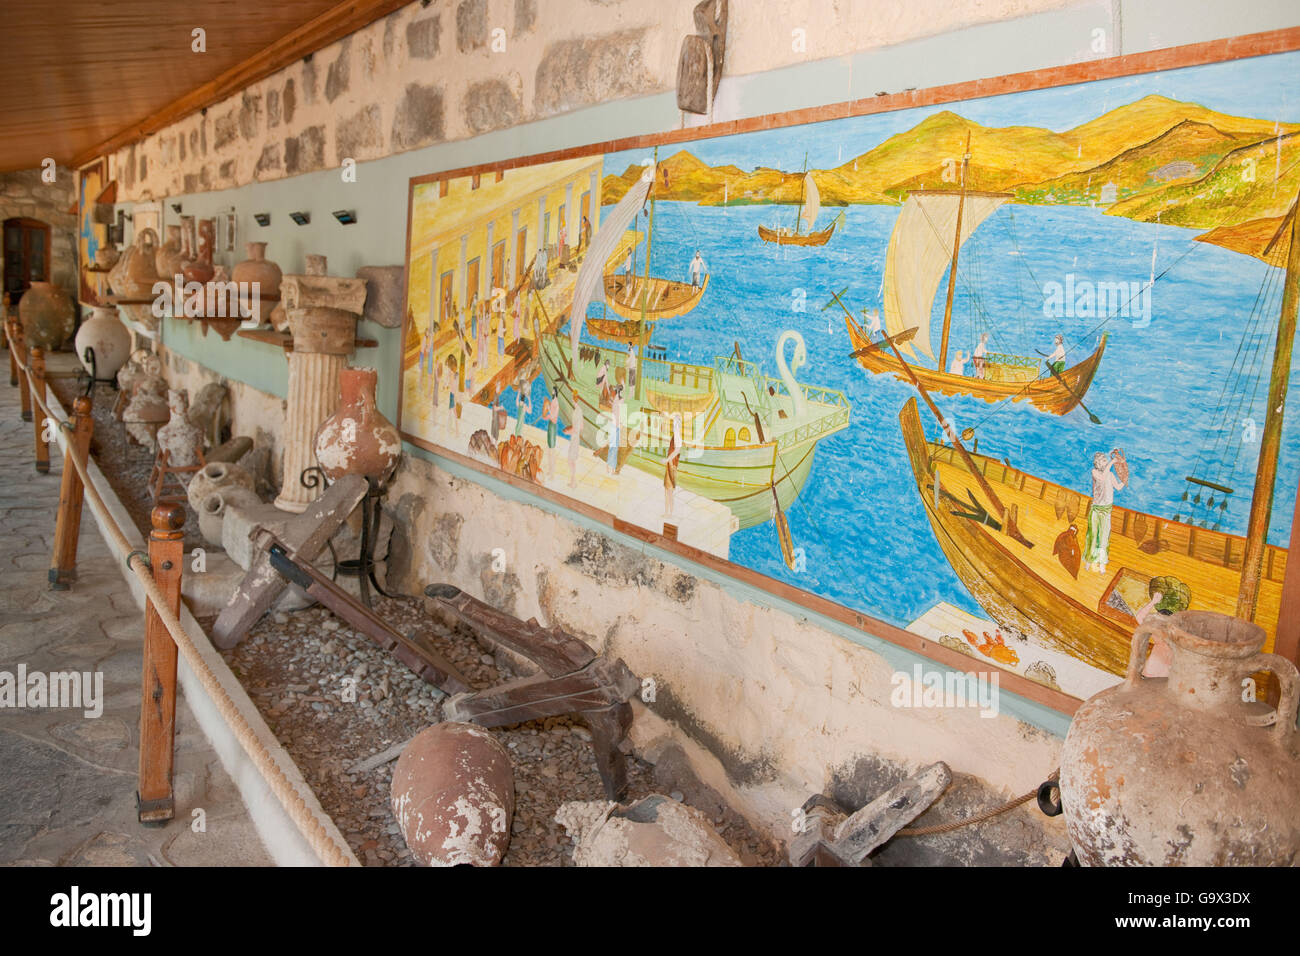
point(67, 781)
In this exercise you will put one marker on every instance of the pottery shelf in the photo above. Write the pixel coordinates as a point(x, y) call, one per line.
point(285, 340)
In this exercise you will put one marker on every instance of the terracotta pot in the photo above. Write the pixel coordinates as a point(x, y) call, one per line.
point(1180, 770)
point(357, 439)
point(108, 338)
point(136, 272)
point(200, 268)
point(453, 795)
point(169, 262)
point(261, 270)
point(47, 315)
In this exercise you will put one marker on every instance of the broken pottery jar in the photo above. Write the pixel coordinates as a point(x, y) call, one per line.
point(169, 260)
point(217, 476)
point(147, 410)
point(1180, 770)
point(180, 437)
point(453, 795)
point(200, 268)
point(357, 439)
point(212, 509)
point(654, 831)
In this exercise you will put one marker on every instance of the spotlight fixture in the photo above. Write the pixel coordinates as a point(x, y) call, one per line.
point(345, 216)
point(176, 208)
point(262, 218)
point(301, 218)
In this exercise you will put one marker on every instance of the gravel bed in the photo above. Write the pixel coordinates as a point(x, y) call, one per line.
point(299, 667)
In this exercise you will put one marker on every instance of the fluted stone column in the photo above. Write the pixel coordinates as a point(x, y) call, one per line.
point(322, 312)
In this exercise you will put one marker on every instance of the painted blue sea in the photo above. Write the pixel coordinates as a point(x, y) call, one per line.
point(1166, 391)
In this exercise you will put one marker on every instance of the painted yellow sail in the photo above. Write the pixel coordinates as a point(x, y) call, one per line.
point(812, 202)
point(920, 251)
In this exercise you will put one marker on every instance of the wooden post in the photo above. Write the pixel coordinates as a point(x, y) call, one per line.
point(18, 346)
point(7, 316)
point(155, 799)
point(63, 566)
point(36, 380)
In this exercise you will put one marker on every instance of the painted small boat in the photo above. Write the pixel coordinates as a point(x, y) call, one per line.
point(919, 253)
point(629, 295)
point(809, 207)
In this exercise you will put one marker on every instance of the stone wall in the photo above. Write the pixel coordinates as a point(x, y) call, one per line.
point(24, 193)
point(459, 68)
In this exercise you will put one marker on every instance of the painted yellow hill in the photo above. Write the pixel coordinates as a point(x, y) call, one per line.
point(1143, 120)
point(1186, 151)
point(1251, 182)
point(929, 156)
point(1179, 161)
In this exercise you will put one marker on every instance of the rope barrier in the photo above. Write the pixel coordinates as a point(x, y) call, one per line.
point(284, 789)
point(970, 821)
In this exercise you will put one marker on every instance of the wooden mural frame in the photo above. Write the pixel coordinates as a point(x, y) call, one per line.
point(1287, 642)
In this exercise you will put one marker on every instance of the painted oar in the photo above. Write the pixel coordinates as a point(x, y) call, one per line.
point(1066, 385)
point(782, 524)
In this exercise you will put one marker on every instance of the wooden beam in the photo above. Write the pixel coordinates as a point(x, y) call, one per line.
point(315, 34)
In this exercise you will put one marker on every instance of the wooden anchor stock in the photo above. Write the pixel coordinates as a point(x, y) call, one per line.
point(573, 679)
point(416, 654)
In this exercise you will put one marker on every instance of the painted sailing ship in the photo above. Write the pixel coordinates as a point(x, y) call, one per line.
point(919, 252)
point(1014, 539)
point(810, 205)
point(749, 439)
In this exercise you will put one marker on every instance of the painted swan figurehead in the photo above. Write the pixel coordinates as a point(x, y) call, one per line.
point(787, 372)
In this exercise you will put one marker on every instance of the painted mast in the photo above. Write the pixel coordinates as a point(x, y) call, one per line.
point(952, 272)
point(1261, 502)
point(645, 292)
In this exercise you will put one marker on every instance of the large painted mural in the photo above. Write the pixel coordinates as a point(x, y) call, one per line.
point(1004, 372)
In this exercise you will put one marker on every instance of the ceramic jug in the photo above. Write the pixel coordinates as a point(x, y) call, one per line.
point(1187, 770)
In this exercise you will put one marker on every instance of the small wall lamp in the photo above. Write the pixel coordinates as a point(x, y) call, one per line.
point(301, 218)
point(262, 218)
point(345, 216)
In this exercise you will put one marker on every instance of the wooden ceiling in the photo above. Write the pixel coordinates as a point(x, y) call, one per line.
point(79, 79)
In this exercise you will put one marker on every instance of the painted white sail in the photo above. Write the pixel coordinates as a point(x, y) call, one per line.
point(591, 276)
point(812, 201)
point(920, 250)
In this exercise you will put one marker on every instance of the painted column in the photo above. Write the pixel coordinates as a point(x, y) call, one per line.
point(434, 304)
point(323, 313)
point(513, 249)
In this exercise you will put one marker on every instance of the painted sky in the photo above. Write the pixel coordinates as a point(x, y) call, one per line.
point(1241, 87)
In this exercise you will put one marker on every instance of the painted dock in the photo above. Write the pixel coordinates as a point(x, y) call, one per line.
point(945, 623)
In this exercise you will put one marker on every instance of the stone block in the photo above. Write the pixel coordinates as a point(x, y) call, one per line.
point(385, 288)
point(585, 70)
point(359, 133)
point(306, 151)
point(422, 38)
point(471, 25)
point(491, 105)
point(419, 118)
